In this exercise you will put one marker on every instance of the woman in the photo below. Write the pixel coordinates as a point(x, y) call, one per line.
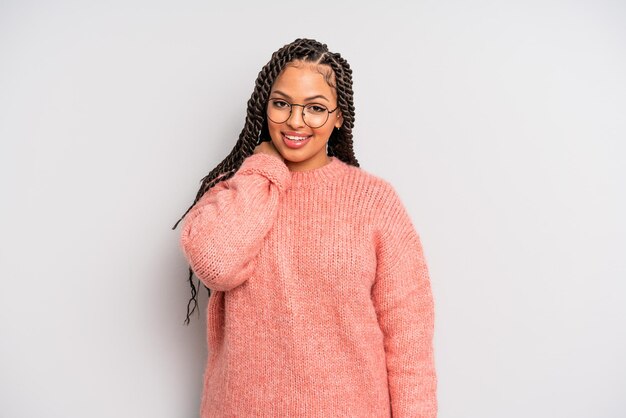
point(321, 304)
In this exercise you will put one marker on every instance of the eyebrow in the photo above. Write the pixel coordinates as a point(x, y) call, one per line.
point(306, 100)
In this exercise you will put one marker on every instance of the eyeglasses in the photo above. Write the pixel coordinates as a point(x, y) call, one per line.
point(314, 115)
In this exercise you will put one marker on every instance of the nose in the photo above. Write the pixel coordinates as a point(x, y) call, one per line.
point(296, 119)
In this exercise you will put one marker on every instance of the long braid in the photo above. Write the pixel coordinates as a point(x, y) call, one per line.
point(340, 143)
point(255, 130)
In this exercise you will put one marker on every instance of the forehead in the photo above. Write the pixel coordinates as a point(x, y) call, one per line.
point(303, 81)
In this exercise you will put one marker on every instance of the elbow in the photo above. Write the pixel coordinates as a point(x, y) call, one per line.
point(215, 272)
point(213, 276)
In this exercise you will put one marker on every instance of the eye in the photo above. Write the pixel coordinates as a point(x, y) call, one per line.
point(279, 104)
point(315, 108)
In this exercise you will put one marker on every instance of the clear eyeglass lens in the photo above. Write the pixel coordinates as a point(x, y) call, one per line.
point(314, 115)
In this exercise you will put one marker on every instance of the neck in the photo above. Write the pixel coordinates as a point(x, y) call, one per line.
point(306, 165)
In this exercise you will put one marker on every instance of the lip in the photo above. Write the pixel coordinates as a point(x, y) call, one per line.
point(291, 133)
point(295, 144)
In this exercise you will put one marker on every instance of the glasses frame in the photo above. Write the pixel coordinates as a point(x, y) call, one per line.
point(291, 105)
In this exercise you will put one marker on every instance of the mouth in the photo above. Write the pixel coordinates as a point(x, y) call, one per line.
point(296, 137)
point(295, 141)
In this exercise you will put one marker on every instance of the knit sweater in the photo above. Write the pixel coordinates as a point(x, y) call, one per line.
point(321, 303)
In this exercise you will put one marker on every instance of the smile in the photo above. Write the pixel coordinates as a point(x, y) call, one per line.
point(296, 138)
point(295, 141)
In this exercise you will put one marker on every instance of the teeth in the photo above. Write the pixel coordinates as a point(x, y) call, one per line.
point(297, 138)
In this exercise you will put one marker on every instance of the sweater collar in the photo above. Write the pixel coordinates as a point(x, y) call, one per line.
point(319, 175)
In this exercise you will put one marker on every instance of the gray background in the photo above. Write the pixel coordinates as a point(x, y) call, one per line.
point(501, 124)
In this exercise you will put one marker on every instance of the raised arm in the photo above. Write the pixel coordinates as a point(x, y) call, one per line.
point(223, 233)
point(404, 305)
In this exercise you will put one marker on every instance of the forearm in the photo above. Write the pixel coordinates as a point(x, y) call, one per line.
point(224, 232)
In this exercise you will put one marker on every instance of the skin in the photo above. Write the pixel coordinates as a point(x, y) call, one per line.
point(300, 82)
point(268, 148)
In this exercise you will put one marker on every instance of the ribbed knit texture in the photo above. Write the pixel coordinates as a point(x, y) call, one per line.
point(321, 303)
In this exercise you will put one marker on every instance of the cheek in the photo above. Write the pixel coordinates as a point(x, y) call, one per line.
point(324, 131)
point(274, 130)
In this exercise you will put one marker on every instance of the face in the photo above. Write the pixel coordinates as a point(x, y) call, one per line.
point(303, 85)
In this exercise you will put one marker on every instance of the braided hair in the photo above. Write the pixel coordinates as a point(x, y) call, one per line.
point(255, 129)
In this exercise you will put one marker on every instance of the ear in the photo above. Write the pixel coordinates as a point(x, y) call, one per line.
point(339, 120)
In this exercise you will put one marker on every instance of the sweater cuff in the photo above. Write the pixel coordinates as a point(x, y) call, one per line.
point(269, 166)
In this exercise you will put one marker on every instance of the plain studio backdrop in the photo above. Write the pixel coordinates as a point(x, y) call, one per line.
point(501, 125)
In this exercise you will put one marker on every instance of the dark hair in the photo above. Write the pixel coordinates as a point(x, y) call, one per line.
point(255, 129)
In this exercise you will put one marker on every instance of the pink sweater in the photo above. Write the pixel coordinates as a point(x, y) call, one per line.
point(320, 304)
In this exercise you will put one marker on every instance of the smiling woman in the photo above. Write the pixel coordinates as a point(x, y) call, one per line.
point(301, 137)
point(320, 302)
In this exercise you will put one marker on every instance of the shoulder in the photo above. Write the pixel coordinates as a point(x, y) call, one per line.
point(372, 185)
point(376, 199)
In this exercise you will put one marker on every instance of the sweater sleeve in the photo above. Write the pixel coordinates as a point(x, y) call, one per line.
point(223, 233)
point(404, 306)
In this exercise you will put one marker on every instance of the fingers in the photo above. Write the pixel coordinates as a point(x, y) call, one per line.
point(268, 148)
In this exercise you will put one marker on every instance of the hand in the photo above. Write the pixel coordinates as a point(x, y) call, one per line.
point(267, 147)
